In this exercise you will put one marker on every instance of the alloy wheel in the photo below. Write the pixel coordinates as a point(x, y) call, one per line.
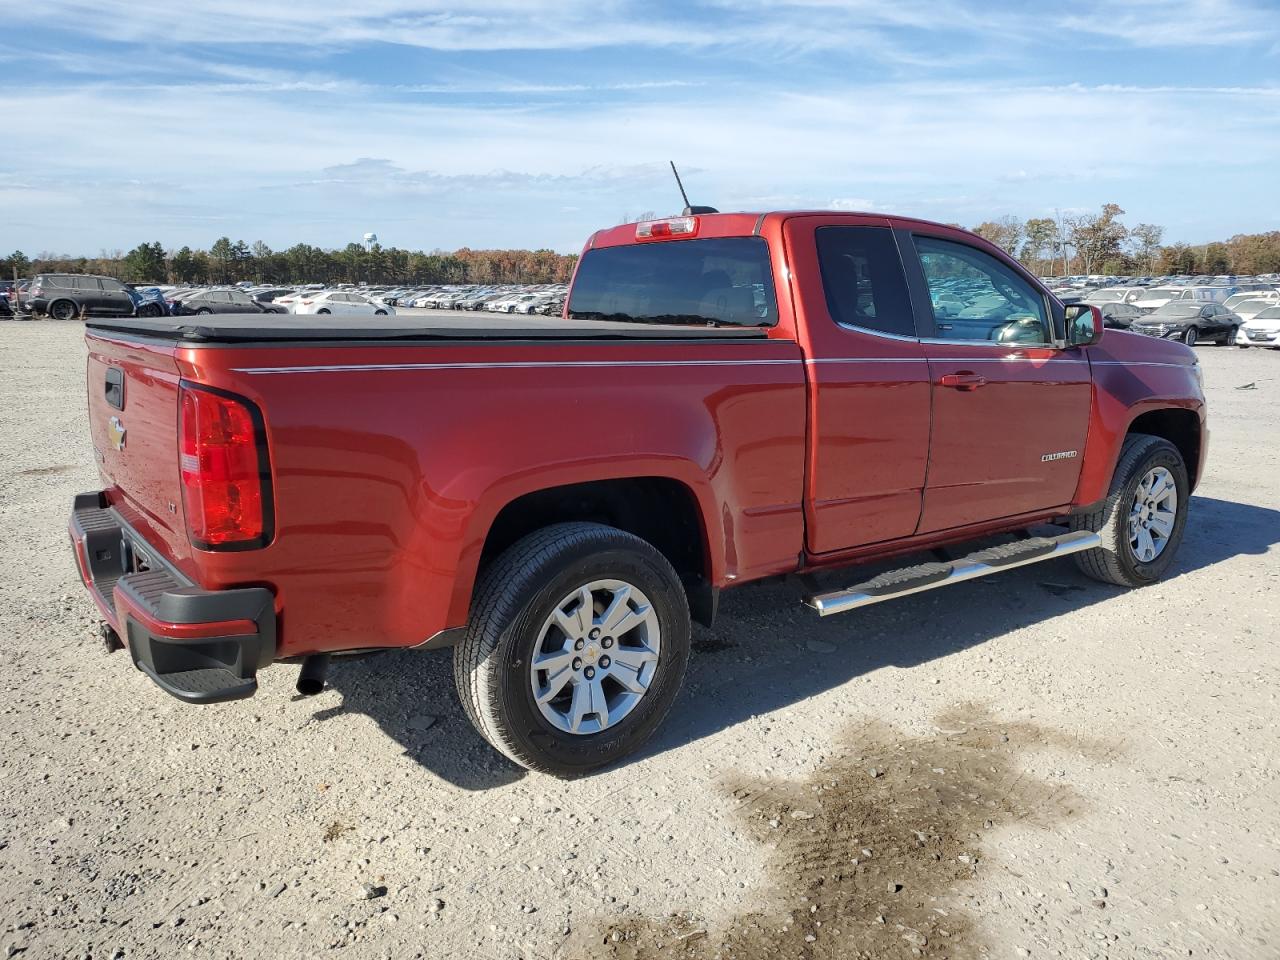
point(1152, 514)
point(595, 657)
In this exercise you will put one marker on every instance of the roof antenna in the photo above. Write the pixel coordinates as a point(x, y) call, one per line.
point(689, 209)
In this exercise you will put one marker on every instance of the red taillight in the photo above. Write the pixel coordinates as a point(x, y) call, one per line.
point(307, 301)
point(672, 229)
point(224, 471)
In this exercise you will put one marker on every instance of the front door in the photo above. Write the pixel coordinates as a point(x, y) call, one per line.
point(1010, 409)
point(115, 298)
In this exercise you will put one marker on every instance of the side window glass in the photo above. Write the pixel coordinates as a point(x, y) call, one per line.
point(976, 297)
point(863, 280)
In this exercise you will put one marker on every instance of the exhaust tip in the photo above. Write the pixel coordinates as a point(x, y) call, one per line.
point(111, 641)
point(311, 677)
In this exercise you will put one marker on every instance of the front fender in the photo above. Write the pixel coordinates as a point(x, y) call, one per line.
point(1134, 375)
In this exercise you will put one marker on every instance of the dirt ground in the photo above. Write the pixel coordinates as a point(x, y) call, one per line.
point(1035, 765)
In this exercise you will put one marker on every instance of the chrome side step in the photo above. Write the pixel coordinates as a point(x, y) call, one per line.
point(930, 576)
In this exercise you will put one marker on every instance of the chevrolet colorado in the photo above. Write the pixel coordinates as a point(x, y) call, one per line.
point(727, 397)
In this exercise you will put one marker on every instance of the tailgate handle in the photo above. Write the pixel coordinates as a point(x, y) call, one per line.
point(115, 387)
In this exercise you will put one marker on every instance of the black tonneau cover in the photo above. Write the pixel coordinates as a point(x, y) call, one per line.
point(419, 325)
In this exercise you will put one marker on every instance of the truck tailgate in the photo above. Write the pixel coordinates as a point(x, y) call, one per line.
point(133, 422)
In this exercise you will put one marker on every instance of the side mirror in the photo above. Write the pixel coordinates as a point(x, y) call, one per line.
point(1084, 324)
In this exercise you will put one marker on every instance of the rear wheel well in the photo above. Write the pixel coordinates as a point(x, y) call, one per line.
point(1180, 427)
point(657, 509)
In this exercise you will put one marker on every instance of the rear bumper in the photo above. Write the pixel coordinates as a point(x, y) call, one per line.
point(201, 646)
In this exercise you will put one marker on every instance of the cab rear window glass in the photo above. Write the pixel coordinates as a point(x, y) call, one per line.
point(863, 280)
point(714, 282)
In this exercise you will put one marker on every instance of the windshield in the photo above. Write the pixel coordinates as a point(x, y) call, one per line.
point(1178, 310)
point(1105, 296)
point(1161, 293)
point(700, 282)
point(1271, 313)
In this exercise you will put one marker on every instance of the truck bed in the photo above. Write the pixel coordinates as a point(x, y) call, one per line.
point(419, 325)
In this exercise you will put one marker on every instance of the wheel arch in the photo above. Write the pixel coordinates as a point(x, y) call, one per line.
point(1179, 426)
point(663, 510)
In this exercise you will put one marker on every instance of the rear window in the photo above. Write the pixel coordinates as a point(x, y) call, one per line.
point(696, 282)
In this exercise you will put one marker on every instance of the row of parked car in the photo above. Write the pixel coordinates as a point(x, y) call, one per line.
point(66, 296)
point(1244, 311)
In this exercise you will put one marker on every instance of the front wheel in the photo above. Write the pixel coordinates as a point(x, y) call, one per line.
point(1142, 520)
point(576, 648)
point(379, 313)
point(324, 311)
point(1191, 336)
point(1228, 338)
point(149, 310)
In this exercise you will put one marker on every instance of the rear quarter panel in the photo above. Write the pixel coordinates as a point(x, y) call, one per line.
point(390, 463)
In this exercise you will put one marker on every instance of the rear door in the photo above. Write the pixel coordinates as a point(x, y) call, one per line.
point(1010, 406)
point(868, 382)
point(89, 292)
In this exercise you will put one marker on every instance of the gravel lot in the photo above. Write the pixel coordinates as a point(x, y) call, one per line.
point(1035, 765)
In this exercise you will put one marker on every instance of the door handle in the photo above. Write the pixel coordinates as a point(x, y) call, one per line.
point(962, 381)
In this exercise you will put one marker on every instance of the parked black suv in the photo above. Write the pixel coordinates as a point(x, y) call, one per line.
point(65, 296)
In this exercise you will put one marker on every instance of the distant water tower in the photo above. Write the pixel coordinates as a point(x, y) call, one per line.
point(369, 240)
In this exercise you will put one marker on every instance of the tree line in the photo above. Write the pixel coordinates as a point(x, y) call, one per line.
point(229, 261)
point(1094, 243)
point(1099, 243)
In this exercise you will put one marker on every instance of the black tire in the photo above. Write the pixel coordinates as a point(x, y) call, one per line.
point(149, 310)
point(1190, 336)
point(1115, 561)
point(379, 313)
point(204, 312)
point(512, 600)
point(1228, 338)
point(323, 311)
point(63, 310)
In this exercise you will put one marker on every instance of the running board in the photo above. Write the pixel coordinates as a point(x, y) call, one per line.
point(929, 576)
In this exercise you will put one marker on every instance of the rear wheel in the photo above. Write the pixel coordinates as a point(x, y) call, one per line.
point(1142, 520)
point(379, 313)
point(204, 312)
point(576, 649)
point(1190, 336)
point(324, 310)
point(149, 310)
point(63, 310)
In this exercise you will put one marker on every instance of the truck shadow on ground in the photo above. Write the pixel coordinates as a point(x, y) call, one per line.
point(764, 632)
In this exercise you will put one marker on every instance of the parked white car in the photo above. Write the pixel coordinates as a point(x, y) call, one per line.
point(339, 301)
point(511, 304)
point(1262, 331)
point(1233, 301)
point(1248, 309)
point(1155, 297)
point(534, 302)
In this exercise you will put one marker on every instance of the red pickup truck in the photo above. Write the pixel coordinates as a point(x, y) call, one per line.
point(727, 397)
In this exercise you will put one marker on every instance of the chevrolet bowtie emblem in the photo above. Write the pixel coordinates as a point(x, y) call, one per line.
point(115, 430)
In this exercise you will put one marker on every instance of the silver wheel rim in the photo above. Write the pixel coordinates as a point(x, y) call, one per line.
point(1153, 514)
point(596, 657)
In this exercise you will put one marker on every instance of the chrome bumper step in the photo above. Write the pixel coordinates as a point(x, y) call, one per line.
point(929, 576)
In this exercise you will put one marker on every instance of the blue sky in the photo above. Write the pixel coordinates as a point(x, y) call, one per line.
point(503, 123)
